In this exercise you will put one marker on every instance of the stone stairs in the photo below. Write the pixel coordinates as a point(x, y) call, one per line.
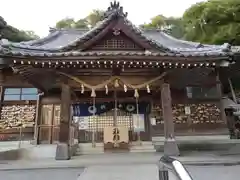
point(87, 148)
point(145, 146)
point(135, 147)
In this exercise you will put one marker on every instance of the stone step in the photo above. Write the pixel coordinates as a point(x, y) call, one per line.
point(142, 147)
point(87, 148)
point(142, 150)
point(146, 146)
point(89, 145)
point(144, 143)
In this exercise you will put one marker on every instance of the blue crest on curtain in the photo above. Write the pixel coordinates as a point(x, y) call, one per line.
point(131, 107)
point(87, 109)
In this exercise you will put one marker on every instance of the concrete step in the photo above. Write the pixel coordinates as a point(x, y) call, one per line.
point(144, 143)
point(142, 150)
point(87, 148)
point(144, 147)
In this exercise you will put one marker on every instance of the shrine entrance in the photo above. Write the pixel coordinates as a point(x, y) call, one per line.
point(92, 122)
point(89, 125)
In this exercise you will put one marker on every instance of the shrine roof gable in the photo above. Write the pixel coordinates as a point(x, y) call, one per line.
point(61, 41)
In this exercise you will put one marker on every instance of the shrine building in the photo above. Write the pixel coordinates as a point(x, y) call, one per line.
point(114, 84)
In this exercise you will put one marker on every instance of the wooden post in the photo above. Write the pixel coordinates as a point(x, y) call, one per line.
point(170, 145)
point(232, 90)
point(37, 119)
point(63, 147)
point(219, 91)
point(1, 90)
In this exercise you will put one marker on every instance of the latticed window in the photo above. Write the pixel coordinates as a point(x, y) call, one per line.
point(17, 94)
point(201, 92)
point(116, 42)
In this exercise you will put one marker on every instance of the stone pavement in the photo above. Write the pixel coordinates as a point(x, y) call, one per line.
point(112, 159)
point(12, 145)
point(150, 172)
point(121, 172)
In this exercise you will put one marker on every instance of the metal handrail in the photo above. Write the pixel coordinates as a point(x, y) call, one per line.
point(167, 164)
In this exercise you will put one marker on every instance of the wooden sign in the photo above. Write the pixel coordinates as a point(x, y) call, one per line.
point(138, 122)
point(117, 134)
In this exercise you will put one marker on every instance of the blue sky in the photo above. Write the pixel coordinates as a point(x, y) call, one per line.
point(39, 15)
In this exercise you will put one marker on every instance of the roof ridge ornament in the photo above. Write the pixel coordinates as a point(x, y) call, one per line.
point(115, 8)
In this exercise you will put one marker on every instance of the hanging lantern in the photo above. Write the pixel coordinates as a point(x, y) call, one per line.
point(106, 87)
point(93, 94)
point(148, 89)
point(136, 95)
point(116, 83)
point(82, 88)
point(125, 88)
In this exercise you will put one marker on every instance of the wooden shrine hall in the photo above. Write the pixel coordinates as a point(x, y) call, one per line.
point(113, 84)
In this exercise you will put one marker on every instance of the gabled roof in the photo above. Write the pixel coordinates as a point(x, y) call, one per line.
point(61, 42)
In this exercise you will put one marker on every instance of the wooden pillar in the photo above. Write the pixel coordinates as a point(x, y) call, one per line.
point(37, 119)
point(1, 90)
point(63, 147)
point(219, 91)
point(170, 145)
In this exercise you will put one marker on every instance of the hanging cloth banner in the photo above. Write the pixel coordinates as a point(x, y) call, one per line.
point(87, 109)
point(131, 107)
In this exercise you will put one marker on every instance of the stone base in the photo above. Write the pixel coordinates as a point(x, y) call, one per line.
point(171, 148)
point(120, 146)
point(63, 152)
point(235, 150)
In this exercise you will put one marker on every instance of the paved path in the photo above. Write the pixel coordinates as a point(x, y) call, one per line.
point(119, 159)
point(150, 172)
point(42, 174)
point(10, 145)
point(119, 172)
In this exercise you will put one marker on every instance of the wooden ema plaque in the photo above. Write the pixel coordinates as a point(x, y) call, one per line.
point(116, 138)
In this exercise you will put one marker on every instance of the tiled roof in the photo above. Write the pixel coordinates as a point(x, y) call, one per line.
point(235, 49)
point(17, 52)
point(61, 41)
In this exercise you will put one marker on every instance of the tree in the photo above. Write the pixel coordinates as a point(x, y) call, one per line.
point(31, 34)
point(158, 22)
point(171, 25)
point(213, 22)
point(91, 20)
point(94, 17)
point(65, 23)
point(13, 34)
point(81, 24)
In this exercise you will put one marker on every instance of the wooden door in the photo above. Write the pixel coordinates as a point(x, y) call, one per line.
point(55, 123)
point(45, 126)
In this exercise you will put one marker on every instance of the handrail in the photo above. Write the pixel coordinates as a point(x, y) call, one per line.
point(167, 163)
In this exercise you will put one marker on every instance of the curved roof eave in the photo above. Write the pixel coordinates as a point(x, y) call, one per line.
point(60, 41)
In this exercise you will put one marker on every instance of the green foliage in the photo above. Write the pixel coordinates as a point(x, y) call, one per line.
point(13, 34)
point(66, 23)
point(213, 22)
point(89, 21)
point(156, 22)
point(94, 17)
point(173, 26)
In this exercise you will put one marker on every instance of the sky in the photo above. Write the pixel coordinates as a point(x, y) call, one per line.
point(40, 15)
